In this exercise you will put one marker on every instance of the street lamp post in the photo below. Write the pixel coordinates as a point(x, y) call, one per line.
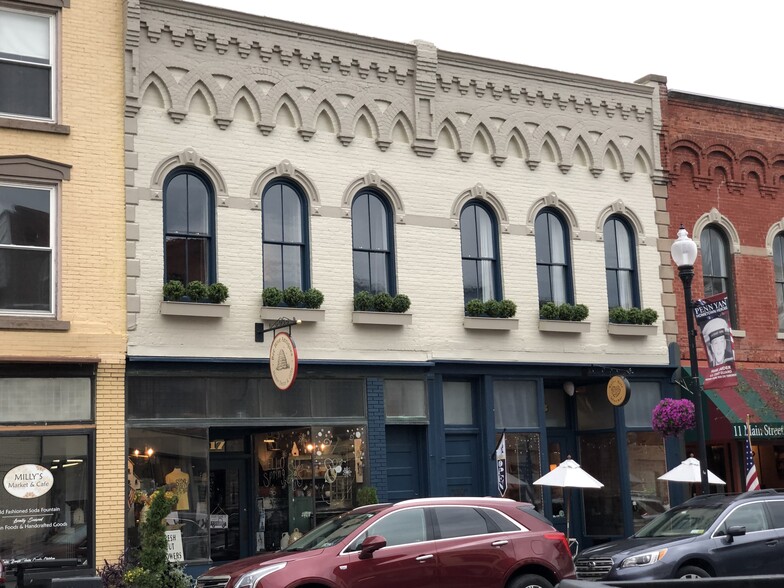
point(684, 254)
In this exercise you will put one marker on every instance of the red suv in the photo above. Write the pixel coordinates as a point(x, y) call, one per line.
point(426, 543)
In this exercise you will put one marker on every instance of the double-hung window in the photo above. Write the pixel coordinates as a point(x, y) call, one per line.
point(27, 74)
point(371, 229)
point(479, 252)
point(189, 224)
point(620, 264)
point(553, 260)
point(716, 268)
point(27, 253)
point(778, 266)
point(284, 234)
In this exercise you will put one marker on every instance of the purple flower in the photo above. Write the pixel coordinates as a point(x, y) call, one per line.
point(672, 416)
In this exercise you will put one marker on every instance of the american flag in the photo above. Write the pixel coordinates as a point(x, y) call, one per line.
point(752, 481)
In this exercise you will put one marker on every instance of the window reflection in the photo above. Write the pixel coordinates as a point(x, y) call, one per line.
point(646, 463)
point(523, 466)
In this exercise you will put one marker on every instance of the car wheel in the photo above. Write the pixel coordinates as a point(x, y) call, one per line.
point(529, 581)
point(691, 573)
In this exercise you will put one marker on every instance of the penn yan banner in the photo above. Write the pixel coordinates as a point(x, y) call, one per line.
point(713, 322)
point(500, 462)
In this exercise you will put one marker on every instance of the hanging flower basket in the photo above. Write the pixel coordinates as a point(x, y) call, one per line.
point(672, 416)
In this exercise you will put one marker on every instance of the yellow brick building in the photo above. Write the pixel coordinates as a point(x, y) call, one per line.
point(62, 279)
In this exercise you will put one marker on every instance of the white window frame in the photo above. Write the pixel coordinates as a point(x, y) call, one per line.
point(53, 242)
point(53, 70)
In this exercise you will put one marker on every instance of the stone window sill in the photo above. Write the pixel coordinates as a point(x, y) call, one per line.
point(625, 330)
point(399, 319)
point(195, 309)
point(8, 323)
point(487, 323)
point(564, 326)
point(306, 315)
point(34, 125)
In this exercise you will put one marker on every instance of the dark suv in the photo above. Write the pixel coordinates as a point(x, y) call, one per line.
point(712, 535)
point(425, 543)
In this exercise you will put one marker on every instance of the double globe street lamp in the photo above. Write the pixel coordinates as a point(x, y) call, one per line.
point(684, 254)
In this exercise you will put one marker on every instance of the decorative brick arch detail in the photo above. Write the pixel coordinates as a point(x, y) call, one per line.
point(714, 217)
point(553, 201)
point(376, 182)
point(772, 232)
point(188, 158)
point(478, 192)
point(285, 169)
point(619, 208)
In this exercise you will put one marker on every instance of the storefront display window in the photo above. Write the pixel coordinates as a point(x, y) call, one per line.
point(46, 504)
point(45, 400)
point(177, 460)
point(305, 476)
point(515, 404)
point(523, 466)
point(646, 463)
point(644, 397)
point(593, 410)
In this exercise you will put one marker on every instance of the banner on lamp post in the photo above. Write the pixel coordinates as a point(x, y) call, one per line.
point(500, 463)
point(713, 322)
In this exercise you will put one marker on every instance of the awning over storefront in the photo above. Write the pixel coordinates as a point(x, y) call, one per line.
point(759, 394)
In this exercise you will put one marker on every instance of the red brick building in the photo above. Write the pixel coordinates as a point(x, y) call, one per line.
point(725, 163)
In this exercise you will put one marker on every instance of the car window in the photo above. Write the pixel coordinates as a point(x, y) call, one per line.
point(776, 509)
point(751, 516)
point(456, 521)
point(398, 528)
point(500, 521)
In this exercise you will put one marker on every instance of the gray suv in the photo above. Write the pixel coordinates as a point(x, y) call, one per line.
point(713, 535)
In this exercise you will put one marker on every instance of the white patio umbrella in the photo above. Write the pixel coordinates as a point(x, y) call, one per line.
point(568, 474)
point(689, 471)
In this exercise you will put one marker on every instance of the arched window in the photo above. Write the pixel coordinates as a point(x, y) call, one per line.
point(285, 237)
point(553, 259)
point(620, 264)
point(189, 227)
point(716, 268)
point(778, 264)
point(371, 231)
point(479, 250)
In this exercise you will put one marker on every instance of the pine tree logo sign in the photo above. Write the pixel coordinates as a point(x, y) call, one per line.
point(283, 361)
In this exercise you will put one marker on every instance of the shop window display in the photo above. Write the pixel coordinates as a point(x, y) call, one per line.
point(305, 476)
point(46, 505)
point(650, 495)
point(523, 466)
point(177, 460)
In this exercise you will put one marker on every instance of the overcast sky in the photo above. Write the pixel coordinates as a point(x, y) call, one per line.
point(723, 48)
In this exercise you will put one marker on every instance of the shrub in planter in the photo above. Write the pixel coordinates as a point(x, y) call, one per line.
point(367, 495)
point(272, 296)
point(563, 312)
point(475, 307)
point(401, 303)
point(196, 291)
point(633, 316)
point(548, 311)
point(363, 301)
point(217, 293)
point(173, 290)
point(293, 296)
point(313, 298)
point(506, 308)
point(382, 302)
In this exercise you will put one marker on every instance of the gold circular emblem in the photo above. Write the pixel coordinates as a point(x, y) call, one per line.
point(618, 391)
point(283, 361)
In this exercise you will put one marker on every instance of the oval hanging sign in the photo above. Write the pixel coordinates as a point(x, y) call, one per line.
point(619, 391)
point(28, 481)
point(283, 361)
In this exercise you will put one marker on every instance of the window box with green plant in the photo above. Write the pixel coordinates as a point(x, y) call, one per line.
point(492, 315)
point(632, 322)
point(381, 309)
point(196, 299)
point(563, 318)
point(292, 302)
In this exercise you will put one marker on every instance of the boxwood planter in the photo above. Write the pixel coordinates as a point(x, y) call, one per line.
point(627, 330)
point(195, 309)
point(487, 323)
point(367, 317)
point(564, 326)
point(306, 315)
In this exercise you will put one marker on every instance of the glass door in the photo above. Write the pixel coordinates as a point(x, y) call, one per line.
point(228, 509)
